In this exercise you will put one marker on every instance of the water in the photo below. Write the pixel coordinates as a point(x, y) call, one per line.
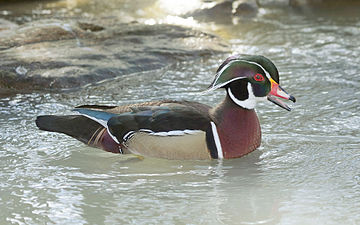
point(307, 170)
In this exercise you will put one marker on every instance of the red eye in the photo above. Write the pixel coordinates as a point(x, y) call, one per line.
point(259, 77)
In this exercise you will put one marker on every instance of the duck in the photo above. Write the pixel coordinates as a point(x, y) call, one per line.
point(181, 129)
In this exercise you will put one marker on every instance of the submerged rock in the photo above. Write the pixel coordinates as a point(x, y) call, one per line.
point(52, 54)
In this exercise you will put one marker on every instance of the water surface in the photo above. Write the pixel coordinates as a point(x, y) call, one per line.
point(307, 170)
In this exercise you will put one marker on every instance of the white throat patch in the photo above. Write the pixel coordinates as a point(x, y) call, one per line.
point(249, 103)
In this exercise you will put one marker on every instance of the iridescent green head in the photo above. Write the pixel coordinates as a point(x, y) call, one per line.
point(248, 78)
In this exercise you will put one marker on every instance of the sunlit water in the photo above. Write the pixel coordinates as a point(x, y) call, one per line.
point(307, 170)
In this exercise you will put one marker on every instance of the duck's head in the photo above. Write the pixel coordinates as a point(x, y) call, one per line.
point(248, 79)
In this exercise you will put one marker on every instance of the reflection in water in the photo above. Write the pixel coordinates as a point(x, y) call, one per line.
point(306, 172)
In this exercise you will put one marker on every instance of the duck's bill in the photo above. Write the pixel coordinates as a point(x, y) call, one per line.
point(278, 102)
point(277, 91)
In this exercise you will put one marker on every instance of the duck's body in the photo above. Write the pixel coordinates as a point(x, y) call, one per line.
point(187, 132)
point(179, 129)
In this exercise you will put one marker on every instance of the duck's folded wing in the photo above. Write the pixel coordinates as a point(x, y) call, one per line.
point(158, 120)
point(165, 132)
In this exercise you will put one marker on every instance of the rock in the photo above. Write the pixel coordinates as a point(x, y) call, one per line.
point(273, 3)
point(6, 28)
point(55, 55)
point(219, 13)
point(224, 12)
point(247, 9)
point(6, 25)
point(327, 7)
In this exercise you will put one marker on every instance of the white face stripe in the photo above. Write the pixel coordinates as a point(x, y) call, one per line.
point(249, 103)
point(221, 71)
point(267, 74)
point(223, 84)
point(217, 140)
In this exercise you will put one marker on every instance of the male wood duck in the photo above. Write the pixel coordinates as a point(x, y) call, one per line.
point(182, 129)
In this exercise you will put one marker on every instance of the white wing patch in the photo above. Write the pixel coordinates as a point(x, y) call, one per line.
point(175, 132)
point(171, 133)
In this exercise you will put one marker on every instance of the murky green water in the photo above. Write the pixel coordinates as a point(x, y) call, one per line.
point(307, 170)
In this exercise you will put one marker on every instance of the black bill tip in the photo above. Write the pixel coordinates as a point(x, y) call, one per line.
point(292, 98)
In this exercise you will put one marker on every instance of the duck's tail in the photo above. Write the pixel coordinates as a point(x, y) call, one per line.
point(80, 127)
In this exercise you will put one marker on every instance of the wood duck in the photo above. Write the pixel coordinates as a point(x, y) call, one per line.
point(183, 129)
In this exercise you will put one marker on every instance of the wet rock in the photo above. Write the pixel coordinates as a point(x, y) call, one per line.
point(273, 3)
point(330, 5)
point(327, 7)
point(53, 55)
point(220, 13)
point(225, 12)
point(90, 26)
point(246, 9)
point(6, 25)
point(6, 28)
point(40, 31)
